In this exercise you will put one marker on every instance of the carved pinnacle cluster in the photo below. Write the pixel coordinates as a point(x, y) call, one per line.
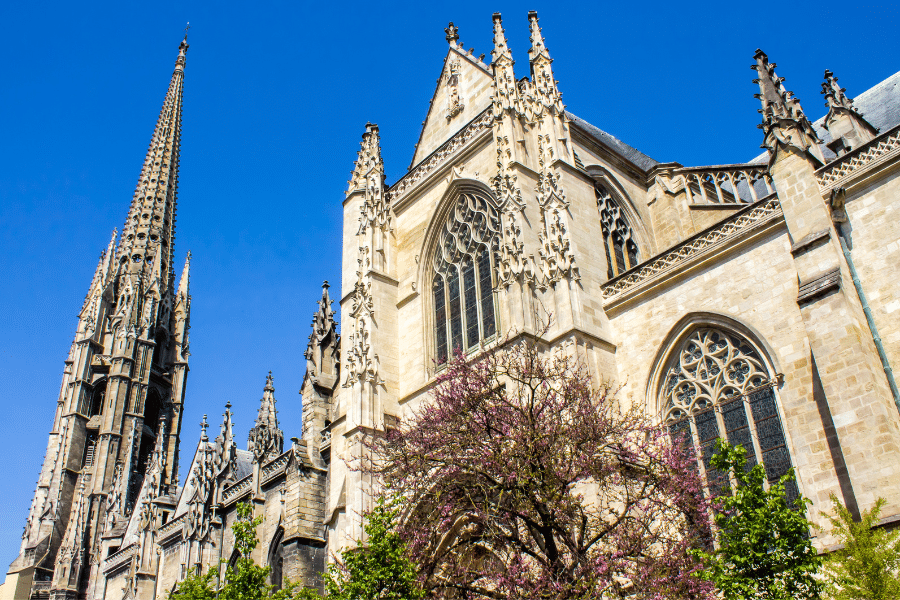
point(266, 440)
point(368, 178)
point(847, 126)
point(784, 122)
point(323, 324)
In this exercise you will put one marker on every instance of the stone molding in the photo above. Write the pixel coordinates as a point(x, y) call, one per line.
point(753, 217)
point(449, 149)
point(238, 489)
point(882, 149)
point(819, 286)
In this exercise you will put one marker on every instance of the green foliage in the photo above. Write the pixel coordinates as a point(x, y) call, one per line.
point(764, 551)
point(380, 569)
point(868, 567)
point(245, 580)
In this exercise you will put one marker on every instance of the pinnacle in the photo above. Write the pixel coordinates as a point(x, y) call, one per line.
point(538, 47)
point(500, 46)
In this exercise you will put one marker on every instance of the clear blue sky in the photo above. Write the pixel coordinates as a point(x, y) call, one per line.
point(276, 97)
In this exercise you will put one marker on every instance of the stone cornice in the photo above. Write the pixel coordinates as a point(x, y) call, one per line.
point(477, 128)
point(231, 494)
point(692, 251)
point(879, 151)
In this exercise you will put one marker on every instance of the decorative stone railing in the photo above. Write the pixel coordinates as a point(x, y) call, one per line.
point(122, 556)
point(880, 150)
point(40, 589)
point(237, 489)
point(721, 234)
point(724, 184)
point(170, 526)
point(274, 467)
point(441, 155)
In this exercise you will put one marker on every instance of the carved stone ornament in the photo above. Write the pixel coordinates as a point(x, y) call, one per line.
point(557, 258)
point(454, 104)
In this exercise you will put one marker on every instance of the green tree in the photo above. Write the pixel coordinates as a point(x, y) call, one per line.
point(868, 566)
point(764, 551)
point(245, 580)
point(379, 569)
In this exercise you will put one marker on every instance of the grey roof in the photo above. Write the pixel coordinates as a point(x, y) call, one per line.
point(879, 105)
point(619, 147)
point(243, 464)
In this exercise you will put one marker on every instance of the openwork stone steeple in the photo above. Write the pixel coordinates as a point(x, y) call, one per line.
point(150, 227)
point(266, 440)
point(784, 123)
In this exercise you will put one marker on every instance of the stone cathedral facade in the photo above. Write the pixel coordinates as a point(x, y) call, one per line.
point(756, 302)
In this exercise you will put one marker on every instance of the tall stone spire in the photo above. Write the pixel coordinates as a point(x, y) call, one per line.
point(151, 220)
point(266, 440)
point(784, 123)
point(844, 122)
point(124, 381)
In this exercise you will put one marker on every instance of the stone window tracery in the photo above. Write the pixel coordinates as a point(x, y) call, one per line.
point(463, 283)
point(618, 238)
point(718, 386)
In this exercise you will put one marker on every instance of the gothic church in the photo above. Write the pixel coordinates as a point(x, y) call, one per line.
point(756, 302)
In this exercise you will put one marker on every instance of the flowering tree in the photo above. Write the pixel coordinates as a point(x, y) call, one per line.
point(525, 481)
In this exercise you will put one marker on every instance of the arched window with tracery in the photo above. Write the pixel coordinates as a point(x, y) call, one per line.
point(463, 282)
point(717, 385)
point(618, 238)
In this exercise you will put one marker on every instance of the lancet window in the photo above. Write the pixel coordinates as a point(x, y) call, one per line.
point(618, 239)
point(718, 386)
point(463, 283)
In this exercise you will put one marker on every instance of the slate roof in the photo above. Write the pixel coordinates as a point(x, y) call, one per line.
point(632, 155)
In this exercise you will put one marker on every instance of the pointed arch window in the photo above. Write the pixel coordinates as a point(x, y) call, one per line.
point(618, 238)
point(463, 275)
point(717, 385)
point(276, 559)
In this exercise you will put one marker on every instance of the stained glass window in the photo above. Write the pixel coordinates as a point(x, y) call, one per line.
point(621, 249)
point(463, 281)
point(717, 384)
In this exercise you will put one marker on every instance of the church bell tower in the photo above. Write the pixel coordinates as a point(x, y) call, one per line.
point(122, 387)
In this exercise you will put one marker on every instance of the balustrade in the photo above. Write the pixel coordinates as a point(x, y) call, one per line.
point(725, 184)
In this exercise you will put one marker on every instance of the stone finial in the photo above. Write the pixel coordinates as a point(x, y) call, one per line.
point(538, 47)
point(784, 121)
point(203, 426)
point(452, 32)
